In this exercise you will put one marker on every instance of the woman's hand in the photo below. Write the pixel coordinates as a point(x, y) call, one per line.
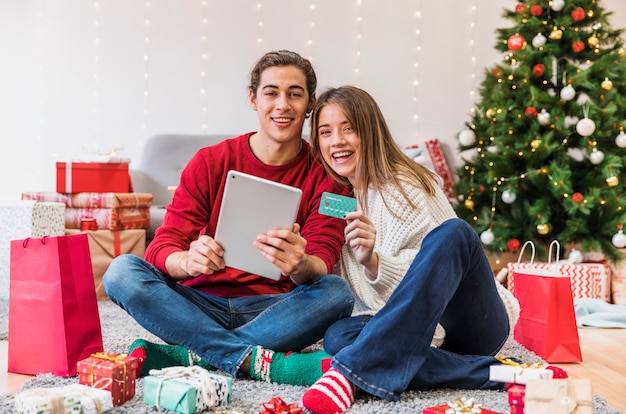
point(361, 237)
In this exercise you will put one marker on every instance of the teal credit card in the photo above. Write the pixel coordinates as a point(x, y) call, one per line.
point(336, 205)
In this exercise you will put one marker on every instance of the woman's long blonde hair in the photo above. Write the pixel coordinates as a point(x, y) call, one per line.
point(381, 160)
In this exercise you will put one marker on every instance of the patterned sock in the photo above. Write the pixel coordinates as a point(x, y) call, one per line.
point(159, 356)
point(293, 368)
point(331, 394)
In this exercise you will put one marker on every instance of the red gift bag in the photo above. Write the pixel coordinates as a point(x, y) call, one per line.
point(53, 312)
point(547, 321)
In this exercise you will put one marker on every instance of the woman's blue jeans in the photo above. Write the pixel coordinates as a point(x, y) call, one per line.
point(223, 331)
point(451, 282)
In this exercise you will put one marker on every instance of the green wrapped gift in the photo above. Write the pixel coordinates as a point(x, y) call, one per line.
point(186, 390)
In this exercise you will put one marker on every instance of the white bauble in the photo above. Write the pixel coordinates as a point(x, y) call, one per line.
point(576, 154)
point(487, 237)
point(568, 93)
point(585, 127)
point(543, 117)
point(596, 157)
point(620, 140)
point(557, 5)
point(570, 121)
point(467, 137)
point(508, 196)
point(619, 239)
point(575, 256)
point(539, 40)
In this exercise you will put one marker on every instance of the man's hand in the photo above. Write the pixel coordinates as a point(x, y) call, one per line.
point(205, 256)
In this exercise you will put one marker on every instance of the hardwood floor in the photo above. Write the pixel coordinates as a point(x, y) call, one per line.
point(604, 363)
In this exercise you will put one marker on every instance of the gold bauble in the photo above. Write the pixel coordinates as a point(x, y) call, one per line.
point(556, 34)
point(606, 84)
point(593, 41)
point(612, 181)
point(535, 143)
point(543, 229)
point(469, 204)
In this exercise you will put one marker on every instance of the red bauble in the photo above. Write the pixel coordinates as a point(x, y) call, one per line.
point(496, 72)
point(520, 8)
point(513, 245)
point(536, 10)
point(577, 197)
point(578, 46)
point(578, 14)
point(531, 111)
point(516, 42)
point(538, 70)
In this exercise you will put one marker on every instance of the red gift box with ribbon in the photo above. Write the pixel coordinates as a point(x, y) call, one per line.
point(459, 406)
point(116, 373)
point(516, 394)
point(277, 406)
point(93, 177)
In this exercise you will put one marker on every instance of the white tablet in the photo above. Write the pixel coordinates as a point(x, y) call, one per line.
point(253, 206)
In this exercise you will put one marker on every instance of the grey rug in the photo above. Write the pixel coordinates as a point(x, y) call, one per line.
point(119, 330)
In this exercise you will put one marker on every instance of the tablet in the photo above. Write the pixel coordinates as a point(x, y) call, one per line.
point(253, 206)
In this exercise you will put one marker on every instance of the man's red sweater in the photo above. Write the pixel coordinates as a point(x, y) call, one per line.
point(196, 206)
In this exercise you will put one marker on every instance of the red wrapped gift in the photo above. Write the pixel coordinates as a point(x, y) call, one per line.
point(516, 394)
point(95, 177)
point(459, 406)
point(277, 406)
point(112, 372)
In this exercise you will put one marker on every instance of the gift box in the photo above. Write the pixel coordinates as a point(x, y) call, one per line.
point(109, 218)
point(559, 396)
point(519, 374)
point(186, 389)
point(116, 373)
point(74, 398)
point(589, 280)
point(441, 166)
point(22, 219)
point(92, 200)
point(276, 405)
point(105, 245)
point(515, 393)
point(618, 281)
point(96, 177)
point(459, 406)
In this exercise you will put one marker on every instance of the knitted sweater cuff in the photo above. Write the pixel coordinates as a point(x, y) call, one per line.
point(390, 273)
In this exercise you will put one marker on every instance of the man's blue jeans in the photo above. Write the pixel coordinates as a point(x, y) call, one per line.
point(223, 331)
point(451, 282)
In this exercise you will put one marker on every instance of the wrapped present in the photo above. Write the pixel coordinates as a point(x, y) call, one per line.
point(589, 280)
point(92, 200)
point(122, 218)
point(511, 371)
point(459, 406)
point(116, 373)
point(95, 177)
point(73, 398)
point(515, 393)
point(105, 245)
point(186, 389)
point(276, 405)
point(559, 396)
point(618, 281)
point(440, 165)
point(22, 219)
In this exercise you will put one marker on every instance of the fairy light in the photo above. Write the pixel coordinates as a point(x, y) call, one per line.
point(96, 73)
point(416, 73)
point(472, 46)
point(146, 66)
point(259, 23)
point(204, 65)
point(359, 35)
point(309, 42)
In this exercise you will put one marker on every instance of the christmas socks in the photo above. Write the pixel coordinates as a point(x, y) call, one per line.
point(158, 356)
point(331, 394)
point(288, 368)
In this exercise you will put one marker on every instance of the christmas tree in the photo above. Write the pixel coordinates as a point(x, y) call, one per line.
point(545, 149)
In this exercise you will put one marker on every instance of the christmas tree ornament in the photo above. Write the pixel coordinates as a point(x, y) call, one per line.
point(513, 245)
point(490, 113)
point(612, 181)
point(539, 40)
point(509, 196)
point(467, 137)
point(516, 42)
point(596, 157)
point(570, 121)
point(487, 237)
point(578, 46)
point(578, 14)
point(593, 41)
point(469, 204)
point(520, 8)
point(619, 239)
point(575, 256)
point(543, 229)
point(538, 70)
point(530, 111)
point(577, 197)
point(543, 117)
point(585, 127)
point(535, 143)
point(557, 5)
point(576, 154)
point(536, 10)
point(568, 93)
point(620, 140)
point(556, 34)
point(606, 84)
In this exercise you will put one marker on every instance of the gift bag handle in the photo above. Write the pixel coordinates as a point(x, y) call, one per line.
point(554, 243)
point(532, 249)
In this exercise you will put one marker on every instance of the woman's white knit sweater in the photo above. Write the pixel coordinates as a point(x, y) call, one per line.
point(398, 239)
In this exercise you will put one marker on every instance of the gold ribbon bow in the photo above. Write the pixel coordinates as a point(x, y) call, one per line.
point(121, 358)
point(463, 405)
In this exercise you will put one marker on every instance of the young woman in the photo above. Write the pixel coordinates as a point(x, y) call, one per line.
point(411, 265)
point(186, 294)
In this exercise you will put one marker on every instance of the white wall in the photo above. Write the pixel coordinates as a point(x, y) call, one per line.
point(82, 76)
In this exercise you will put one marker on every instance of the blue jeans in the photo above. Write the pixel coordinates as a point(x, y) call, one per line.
point(451, 282)
point(223, 331)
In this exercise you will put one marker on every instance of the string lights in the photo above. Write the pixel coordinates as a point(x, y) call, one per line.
point(96, 71)
point(259, 24)
point(472, 46)
point(309, 42)
point(204, 65)
point(146, 66)
point(359, 36)
point(416, 82)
